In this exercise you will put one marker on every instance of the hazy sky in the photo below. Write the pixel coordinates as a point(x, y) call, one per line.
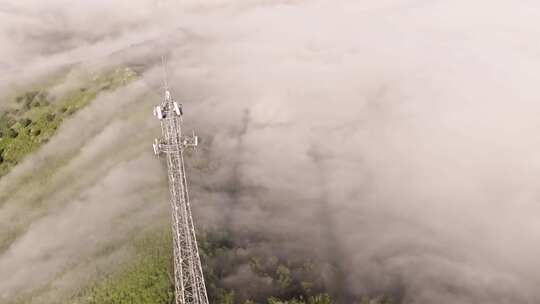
point(398, 137)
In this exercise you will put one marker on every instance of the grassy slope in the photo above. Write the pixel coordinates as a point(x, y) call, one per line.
point(30, 118)
point(145, 279)
point(34, 116)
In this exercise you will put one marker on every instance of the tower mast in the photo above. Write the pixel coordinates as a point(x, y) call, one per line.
point(189, 282)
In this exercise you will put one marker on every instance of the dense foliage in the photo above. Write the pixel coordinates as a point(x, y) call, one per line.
point(147, 278)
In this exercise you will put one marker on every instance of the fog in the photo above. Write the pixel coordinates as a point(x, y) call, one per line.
point(395, 139)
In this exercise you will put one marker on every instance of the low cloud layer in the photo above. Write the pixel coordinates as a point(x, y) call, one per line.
point(395, 138)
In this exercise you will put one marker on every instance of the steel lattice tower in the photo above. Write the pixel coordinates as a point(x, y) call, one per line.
point(188, 276)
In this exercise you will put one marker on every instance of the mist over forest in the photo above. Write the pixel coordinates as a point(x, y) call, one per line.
point(379, 150)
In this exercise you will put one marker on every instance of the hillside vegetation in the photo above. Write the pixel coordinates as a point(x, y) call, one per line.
point(147, 279)
point(32, 120)
point(34, 116)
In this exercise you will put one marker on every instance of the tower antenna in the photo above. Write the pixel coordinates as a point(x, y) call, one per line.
point(164, 66)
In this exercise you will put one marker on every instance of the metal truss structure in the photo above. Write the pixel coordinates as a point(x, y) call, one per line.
point(188, 276)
